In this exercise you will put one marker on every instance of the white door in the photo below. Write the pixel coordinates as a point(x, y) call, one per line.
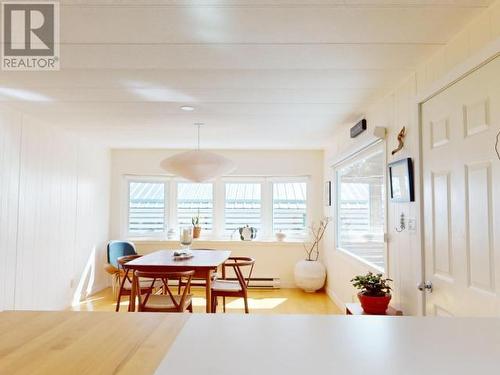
point(461, 174)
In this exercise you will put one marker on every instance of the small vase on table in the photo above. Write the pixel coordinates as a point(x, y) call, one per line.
point(186, 238)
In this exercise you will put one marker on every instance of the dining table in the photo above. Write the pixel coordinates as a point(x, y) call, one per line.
point(203, 262)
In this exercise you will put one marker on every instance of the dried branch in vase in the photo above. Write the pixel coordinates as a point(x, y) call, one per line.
point(316, 233)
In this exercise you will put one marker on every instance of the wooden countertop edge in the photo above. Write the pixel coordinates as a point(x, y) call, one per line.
point(149, 355)
point(51, 342)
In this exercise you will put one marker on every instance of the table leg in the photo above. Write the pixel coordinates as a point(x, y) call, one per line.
point(208, 292)
point(133, 293)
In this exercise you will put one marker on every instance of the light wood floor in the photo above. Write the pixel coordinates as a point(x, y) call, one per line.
point(261, 301)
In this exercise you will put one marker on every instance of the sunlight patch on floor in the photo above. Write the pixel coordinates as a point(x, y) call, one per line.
point(238, 304)
point(280, 301)
point(257, 304)
point(90, 300)
point(87, 277)
point(198, 302)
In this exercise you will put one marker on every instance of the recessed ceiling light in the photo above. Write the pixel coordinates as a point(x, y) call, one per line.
point(187, 108)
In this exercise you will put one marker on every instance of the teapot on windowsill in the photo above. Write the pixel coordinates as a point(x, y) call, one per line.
point(247, 233)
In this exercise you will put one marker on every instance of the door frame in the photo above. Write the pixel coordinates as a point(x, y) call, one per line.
point(473, 63)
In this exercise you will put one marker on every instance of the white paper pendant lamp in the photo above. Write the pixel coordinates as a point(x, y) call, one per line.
point(198, 165)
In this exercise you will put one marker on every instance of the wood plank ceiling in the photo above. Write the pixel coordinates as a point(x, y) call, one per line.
point(260, 74)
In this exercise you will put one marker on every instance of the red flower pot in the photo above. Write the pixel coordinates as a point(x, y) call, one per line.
point(374, 305)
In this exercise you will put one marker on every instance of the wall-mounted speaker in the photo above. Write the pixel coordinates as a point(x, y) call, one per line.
point(359, 128)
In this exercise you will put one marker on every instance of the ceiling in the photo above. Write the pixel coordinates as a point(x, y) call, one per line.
point(260, 74)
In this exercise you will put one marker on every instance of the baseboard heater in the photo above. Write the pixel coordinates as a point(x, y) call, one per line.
point(255, 282)
point(262, 282)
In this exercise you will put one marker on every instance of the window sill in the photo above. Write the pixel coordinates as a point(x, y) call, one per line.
point(215, 242)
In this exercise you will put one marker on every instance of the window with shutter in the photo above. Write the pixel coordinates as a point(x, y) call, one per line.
point(242, 206)
point(195, 199)
point(146, 208)
point(290, 208)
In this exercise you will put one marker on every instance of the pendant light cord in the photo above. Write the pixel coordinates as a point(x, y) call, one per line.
point(496, 145)
point(198, 124)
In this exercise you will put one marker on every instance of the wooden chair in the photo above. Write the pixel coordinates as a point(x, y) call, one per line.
point(196, 280)
point(227, 288)
point(125, 278)
point(115, 279)
point(166, 302)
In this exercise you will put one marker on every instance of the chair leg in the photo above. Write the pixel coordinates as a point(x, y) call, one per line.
point(113, 286)
point(246, 304)
point(190, 308)
point(118, 301)
point(214, 304)
point(224, 304)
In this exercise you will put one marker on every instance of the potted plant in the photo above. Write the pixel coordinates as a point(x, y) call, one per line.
point(375, 292)
point(310, 274)
point(196, 226)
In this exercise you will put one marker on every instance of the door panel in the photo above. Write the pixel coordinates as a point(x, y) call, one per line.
point(461, 173)
point(441, 247)
point(480, 257)
point(476, 117)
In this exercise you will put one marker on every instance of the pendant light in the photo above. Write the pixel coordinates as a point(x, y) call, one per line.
point(198, 165)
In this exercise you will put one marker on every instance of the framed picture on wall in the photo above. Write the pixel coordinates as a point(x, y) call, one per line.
point(401, 181)
point(328, 194)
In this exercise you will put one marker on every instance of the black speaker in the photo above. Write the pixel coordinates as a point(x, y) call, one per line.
point(359, 128)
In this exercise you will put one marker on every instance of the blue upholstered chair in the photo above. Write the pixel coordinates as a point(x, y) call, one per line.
point(117, 249)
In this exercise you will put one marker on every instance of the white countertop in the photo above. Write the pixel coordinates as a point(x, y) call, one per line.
point(310, 345)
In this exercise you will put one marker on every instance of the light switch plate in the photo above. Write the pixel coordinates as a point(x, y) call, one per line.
point(412, 224)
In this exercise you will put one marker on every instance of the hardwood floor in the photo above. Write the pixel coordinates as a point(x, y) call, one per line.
point(261, 301)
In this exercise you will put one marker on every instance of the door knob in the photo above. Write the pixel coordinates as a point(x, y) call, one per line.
point(425, 286)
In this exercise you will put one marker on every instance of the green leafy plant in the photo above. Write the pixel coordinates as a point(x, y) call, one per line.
point(196, 221)
point(372, 285)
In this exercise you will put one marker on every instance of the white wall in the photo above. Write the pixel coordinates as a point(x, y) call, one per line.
point(398, 109)
point(272, 260)
point(54, 195)
point(10, 138)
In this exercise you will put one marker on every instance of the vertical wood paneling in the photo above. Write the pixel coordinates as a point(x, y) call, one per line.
point(92, 219)
point(10, 142)
point(439, 311)
point(46, 244)
point(46, 227)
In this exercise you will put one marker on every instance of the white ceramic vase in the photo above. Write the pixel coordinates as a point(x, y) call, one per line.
point(310, 275)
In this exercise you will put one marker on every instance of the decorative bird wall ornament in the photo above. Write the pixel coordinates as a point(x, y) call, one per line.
point(401, 140)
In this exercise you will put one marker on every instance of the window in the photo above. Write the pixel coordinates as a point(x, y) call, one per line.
point(271, 204)
point(146, 208)
point(361, 206)
point(290, 208)
point(242, 206)
point(195, 200)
